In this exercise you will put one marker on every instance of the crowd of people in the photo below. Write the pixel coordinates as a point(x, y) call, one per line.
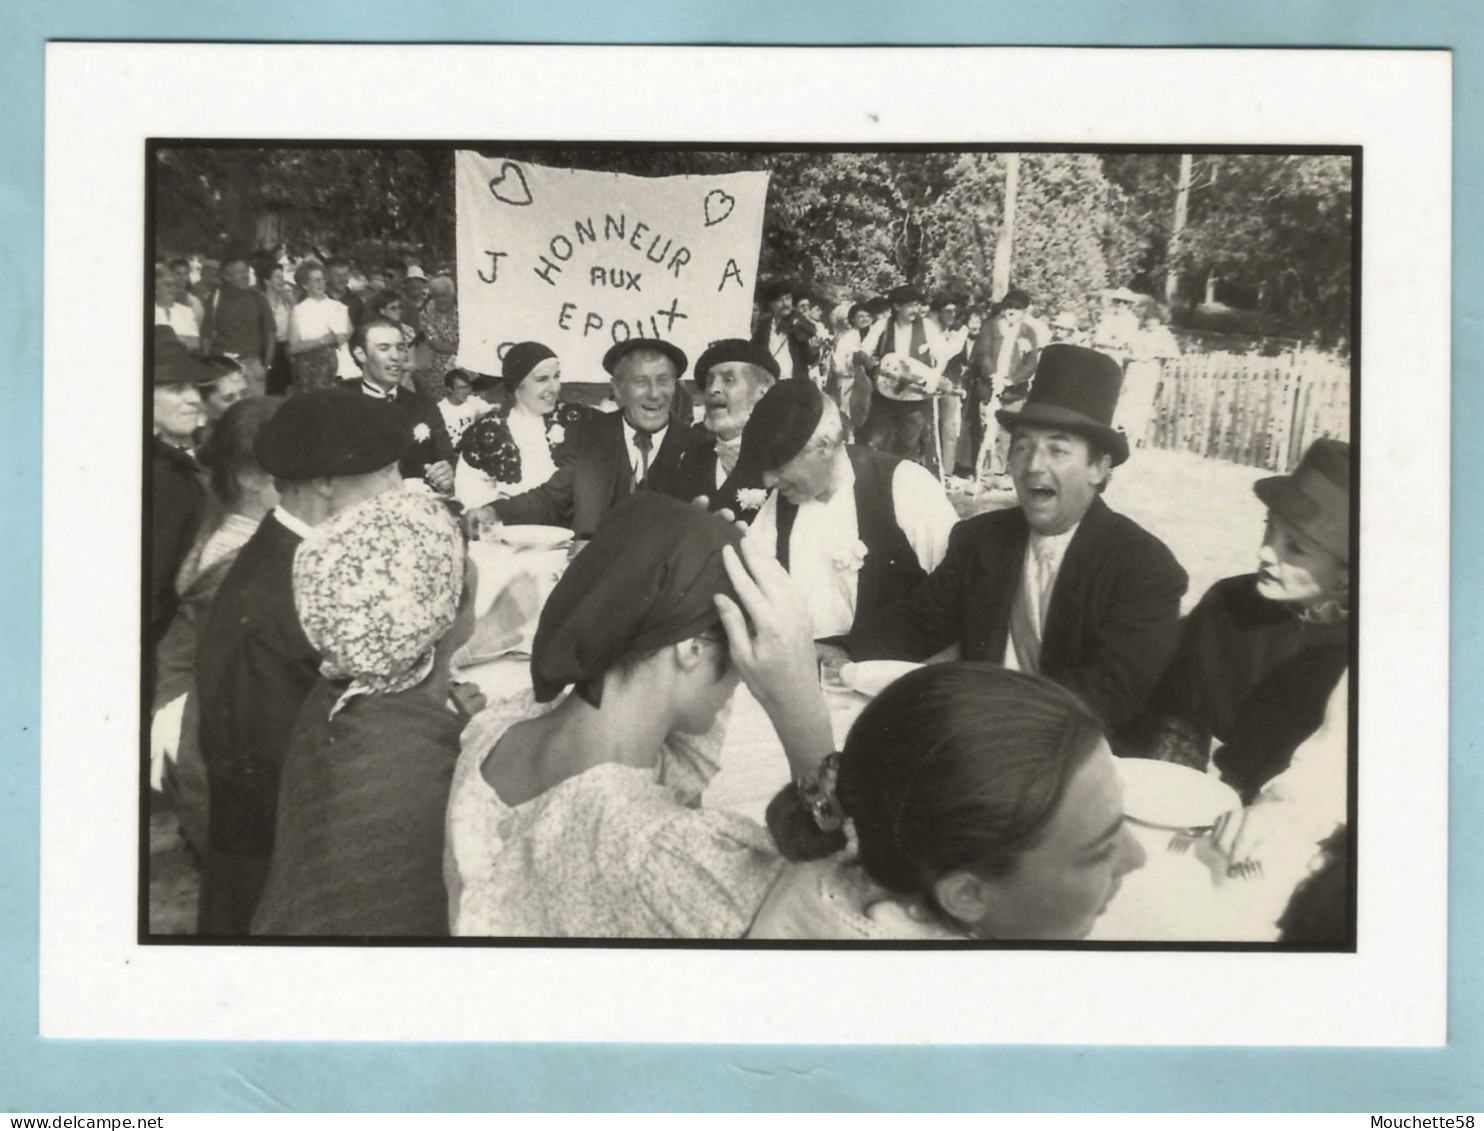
point(321, 461)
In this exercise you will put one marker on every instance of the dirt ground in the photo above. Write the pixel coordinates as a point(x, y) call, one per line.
point(1204, 510)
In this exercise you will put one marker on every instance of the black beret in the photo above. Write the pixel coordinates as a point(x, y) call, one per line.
point(330, 432)
point(780, 425)
point(646, 580)
point(905, 293)
point(735, 349)
point(623, 349)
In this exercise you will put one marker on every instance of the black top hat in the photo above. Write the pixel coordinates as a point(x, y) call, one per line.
point(1316, 497)
point(904, 294)
point(623, 349)
point(1077, 389)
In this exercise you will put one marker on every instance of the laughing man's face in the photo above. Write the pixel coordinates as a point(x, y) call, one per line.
point(1056, 476)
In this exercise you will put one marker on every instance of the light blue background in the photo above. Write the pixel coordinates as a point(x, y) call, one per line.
point(145, 1077)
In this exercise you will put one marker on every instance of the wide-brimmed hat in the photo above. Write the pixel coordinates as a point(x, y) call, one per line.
point(1315, 499)
point(904, 294)
point(617, 353)
point(176, 365)
point(1074, 388)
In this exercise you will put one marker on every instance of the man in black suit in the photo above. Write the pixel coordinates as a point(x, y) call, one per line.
point(254, 665)
point(639, 447)
point(378, 347)
point(1060, 585)
point(787, 336)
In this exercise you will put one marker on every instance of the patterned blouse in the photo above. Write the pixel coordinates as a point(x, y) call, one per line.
point(614, 852)
point(506, 452)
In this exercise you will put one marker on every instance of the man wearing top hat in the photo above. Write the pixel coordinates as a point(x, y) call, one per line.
point(855, 528)
point(904, 355)
point(177, 496)
point(639, 447)
point(378, 347)
point(254, 666)
point(1060, 585)
point(733, 375)
point(1262, 652)
point(789, 338)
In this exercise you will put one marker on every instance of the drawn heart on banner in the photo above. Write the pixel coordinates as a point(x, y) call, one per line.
point(510, 186)
point(718, 206)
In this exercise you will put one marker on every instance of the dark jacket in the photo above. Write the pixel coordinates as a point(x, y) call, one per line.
point(1110, 629)
point(595, 476)
point(433, 447)
point(1250, 673)
point(695, 476)
point(803, 351)
point(254, 667)
point(177, 504)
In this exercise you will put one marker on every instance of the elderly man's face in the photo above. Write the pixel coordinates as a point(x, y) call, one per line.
point(644, 387)
point(384, 357)
point(809, 475)
point(177, 411)
point(1056, 476)
point(732, 390)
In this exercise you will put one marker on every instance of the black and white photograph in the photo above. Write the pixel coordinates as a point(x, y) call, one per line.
point(827, 545)
point(924, 548)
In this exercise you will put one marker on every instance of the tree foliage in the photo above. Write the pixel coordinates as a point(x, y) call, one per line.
point(1274, 229)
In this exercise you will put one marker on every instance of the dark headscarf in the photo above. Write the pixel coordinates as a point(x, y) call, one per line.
point(518, 362)
point(646, 581)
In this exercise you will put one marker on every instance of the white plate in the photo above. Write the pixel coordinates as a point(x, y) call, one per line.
point(534, 537)
point(870, 677)
point(1173, 796)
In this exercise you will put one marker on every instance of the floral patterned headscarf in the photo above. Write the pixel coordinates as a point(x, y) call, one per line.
point(376, 587)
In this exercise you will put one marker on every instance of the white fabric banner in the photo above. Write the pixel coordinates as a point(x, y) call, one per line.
point(580, 260)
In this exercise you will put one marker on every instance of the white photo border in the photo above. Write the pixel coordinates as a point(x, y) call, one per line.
point(97, 981)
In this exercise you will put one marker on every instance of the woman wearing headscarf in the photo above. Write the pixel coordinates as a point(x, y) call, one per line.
point(384, 593)
point(1261, 652)
point(579, 819)
point(518, 447)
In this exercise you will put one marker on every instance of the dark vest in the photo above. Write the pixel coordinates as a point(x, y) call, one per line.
point(891, 569)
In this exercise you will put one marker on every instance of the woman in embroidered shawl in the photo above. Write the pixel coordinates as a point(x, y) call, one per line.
point(385, 593)
point(515, 448)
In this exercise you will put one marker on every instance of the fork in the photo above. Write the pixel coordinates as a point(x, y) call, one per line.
point(1245, 869)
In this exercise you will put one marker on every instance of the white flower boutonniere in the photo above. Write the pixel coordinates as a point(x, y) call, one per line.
point(851, 558)
point(555, 435)
point(751, 498)
point(421, 433)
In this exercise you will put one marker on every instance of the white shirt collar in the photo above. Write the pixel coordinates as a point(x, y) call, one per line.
point(292, 522)
point(1054, 545)
point(629, 431)
point(379, 394)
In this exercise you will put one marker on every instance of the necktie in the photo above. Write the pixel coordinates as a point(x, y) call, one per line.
point(645, 443)
point(1028, 610)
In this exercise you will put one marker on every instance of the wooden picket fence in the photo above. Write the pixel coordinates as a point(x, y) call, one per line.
point(1259, 411)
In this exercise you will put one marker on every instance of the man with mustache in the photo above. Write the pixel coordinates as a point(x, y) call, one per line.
point(637, 448)
point(1059, 586)
point(733, 374)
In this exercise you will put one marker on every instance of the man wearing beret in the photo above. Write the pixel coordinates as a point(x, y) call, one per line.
point(177, 497)
point(904, 355)
point(639, 447)
point(854, 528)
point(788, 337)
point(733, 374)
point(254, 667)
point(1060, 585)
point(378, 347)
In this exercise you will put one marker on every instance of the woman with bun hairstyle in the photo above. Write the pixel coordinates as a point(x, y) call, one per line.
point(517, 447)
point(970, 801)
